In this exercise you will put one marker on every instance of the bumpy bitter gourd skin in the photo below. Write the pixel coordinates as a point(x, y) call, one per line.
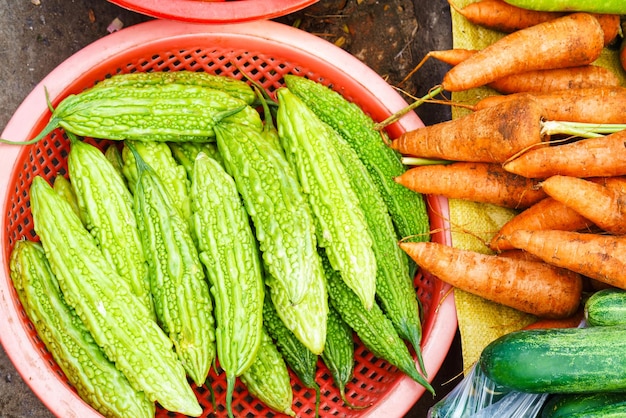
point(268, 378)
point(236, 88)
point(97, 380)
point(408, 209)
point(284, 228)
point(158, 155)
point(338, 354)
point(106, 208)
point(271, 194)
point(154, 112)
point(185, 153)
point(228, 249)
point(114, 155)
point(308, 319)
point(177, 281)
point(299, 358)
point(394, 287)
point(119, 323)
point(64, 188)
point(373, 328)
point(341, 226)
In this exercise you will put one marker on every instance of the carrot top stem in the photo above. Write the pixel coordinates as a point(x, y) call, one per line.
point(396, 116)
point(584, 130)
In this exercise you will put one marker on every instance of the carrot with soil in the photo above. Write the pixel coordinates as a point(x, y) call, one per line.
point(603, 204)
point(478, 182)
point(597, 256)
point(610, 25)
point(600, 105)
point(548, 213)
point(572, 321)
point(592, 157)
point(492, 136)
point(556, 79)
point(447, 56)
point(529, 286)
point(503, 17)
point(569, 41)
point(451, 56)
point(551, 80)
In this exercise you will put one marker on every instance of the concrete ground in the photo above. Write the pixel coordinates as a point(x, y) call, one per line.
point(389, 36)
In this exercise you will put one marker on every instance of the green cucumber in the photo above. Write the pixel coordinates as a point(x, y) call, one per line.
point(606, 307)
point(585, 405)
point(566, 360)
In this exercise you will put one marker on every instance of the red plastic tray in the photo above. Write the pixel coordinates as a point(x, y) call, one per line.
point(214, 11)
point(265, 50)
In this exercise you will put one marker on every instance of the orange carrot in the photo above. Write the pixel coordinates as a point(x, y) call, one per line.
point(569, 41)
point(501, 16)
point(452, 56)
point(529, 286)
point(494, 134)
point(617, 183)
point(587, 105)
point(610, 26)
point(551, 80)
point(592, 157)
point(572, 321)
point(548, 81)
point(545, 214)
point(478, 182)
point(447, 56)
point(603, 205)
point(598, 256)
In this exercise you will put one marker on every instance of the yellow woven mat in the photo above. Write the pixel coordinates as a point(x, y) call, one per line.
point(473, 224)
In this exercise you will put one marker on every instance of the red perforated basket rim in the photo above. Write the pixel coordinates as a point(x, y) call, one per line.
point(214, 11)
point(271, 49)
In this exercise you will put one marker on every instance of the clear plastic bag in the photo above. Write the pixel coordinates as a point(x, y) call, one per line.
point(477, 396)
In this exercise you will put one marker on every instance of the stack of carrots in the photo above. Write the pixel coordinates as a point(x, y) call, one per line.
point(555, 151)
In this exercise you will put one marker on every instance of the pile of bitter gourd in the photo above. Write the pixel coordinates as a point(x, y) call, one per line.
point(207, 233)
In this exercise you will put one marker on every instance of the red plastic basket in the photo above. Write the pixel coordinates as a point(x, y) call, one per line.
point(214, 11)
point(264, 50)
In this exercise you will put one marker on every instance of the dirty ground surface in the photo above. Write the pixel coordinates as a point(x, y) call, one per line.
point(390, 36)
